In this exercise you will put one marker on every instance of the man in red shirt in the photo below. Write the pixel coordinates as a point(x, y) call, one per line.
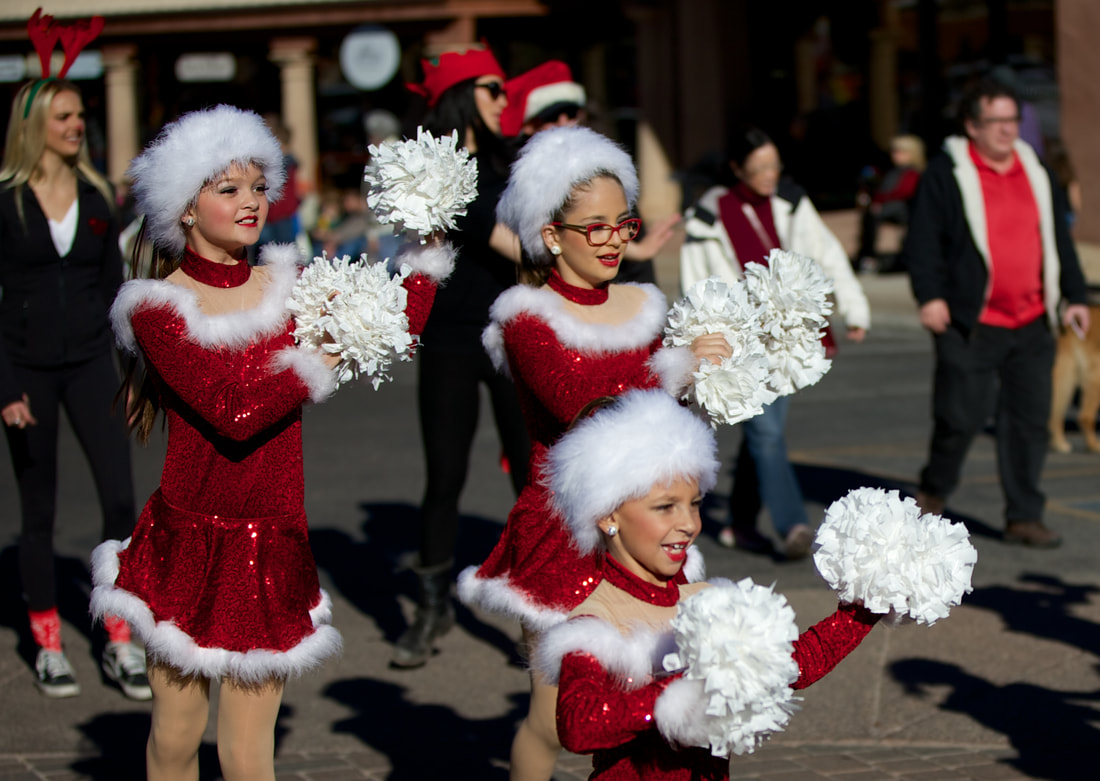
point(994, 270)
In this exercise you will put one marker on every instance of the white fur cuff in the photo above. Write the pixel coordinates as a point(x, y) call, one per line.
point(310, 368)
point(436, 262)
point(674, 365)
point(680, 713)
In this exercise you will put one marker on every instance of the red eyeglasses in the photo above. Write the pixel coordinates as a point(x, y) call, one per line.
point(599, 233)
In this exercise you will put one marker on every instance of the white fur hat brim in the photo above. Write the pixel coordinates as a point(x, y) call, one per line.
point(549, 166)
point(191, 151)
point(620, 453)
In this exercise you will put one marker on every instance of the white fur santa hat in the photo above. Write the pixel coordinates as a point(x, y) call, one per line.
point(549, 166)
point(645, 438)
point(188, 154)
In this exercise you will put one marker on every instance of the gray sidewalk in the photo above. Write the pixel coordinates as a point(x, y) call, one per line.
point(1007, 687)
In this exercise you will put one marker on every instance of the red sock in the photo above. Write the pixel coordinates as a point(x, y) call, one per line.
point(46, 628)
point(118, 631)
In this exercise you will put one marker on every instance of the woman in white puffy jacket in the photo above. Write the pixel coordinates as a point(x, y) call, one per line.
point(731, 226)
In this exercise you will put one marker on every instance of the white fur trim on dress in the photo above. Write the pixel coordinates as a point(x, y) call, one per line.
point(593, 338)
point(695, 568)
point(233, 330)
point(675, 366)
point(550, 165)
point(680, 713)
point(166, 642)
point(498, 595)
point(188, 154)
point(310, 368)
point(620, 453)
point(631, 659)
point(436, 262)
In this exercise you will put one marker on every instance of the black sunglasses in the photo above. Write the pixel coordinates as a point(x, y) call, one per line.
point(496, 88)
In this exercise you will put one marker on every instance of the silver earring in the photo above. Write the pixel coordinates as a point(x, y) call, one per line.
point(612, 531)
point(189, 221)
point(555, 250)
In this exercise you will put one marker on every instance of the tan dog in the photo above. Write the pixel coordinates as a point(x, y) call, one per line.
point(1077, 364)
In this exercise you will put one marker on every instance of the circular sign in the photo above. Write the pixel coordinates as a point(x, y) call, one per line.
point(369, 57)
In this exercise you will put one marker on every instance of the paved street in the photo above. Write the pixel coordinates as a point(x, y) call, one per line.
point(1007, 687)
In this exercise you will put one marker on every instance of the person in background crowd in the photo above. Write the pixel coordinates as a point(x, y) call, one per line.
point(891, 199)
point(59, 271)
point(991, 262)
point(464, 92)
point(739, 224)
point(282, 222)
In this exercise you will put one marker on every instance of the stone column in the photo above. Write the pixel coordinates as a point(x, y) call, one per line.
point(1078, 22)
point(120, 80)
point(294, 56)
point(883, 88)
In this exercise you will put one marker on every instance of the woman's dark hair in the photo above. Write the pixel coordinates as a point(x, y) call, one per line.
point(742, 141)
point(456, 109)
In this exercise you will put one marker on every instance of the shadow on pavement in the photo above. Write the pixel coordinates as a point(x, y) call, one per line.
point(453, 746)
point(826, 484)
point(372, 571)
point(1050, 730)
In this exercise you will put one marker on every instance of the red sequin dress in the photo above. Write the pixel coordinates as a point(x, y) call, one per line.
point(606, 660)
point(218, 578)
point(559, 363)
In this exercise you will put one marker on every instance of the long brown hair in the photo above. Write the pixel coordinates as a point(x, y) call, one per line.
point(138, 393)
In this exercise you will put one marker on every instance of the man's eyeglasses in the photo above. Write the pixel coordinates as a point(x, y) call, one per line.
point(599, 233)
point(495, 88)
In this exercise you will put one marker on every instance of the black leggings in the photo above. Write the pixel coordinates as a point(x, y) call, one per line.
point(448, 397)
point(86, 391)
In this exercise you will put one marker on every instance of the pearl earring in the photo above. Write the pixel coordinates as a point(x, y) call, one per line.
point(612, 531)
point(555, 250)
point(189, 221)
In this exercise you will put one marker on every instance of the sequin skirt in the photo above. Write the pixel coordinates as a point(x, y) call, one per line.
point(218, 596)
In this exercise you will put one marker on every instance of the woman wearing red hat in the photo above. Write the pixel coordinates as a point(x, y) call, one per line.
point(465, 93)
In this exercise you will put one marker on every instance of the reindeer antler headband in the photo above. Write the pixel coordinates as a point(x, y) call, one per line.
point(45, 32)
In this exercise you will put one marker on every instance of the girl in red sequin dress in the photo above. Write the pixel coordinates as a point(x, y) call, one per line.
point(566, 337)
point(628, 482)
point(218, 577)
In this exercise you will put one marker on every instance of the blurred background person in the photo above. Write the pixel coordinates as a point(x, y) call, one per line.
point(464, 92)
point(59, 271)
point(738, 224)
point(890, 200)
point(283, 224)
point(545, 96)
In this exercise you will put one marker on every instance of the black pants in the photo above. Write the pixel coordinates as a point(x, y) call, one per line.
point(968, 373)
point(85, 391)
point(448, 397)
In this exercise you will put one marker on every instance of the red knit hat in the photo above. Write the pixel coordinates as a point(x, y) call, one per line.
point(450, 68)
point(539, 88)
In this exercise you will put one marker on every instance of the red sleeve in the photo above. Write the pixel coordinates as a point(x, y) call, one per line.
point(821, 647)
point(594, 712)
point(905, 189)
point(239, 398)
point(563, 379)
point(418, 305)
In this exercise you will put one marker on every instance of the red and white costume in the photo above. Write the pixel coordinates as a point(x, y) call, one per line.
point(559, 363)
point(218, 578)
point(606, 662)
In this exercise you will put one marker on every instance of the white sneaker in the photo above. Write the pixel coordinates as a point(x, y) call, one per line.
point(124, 663)
point(55, 674)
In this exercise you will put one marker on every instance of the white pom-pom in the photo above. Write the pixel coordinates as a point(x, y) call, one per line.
point(791, 294)
point(736, 389)
point(876, 548)
point(420, 185)
point(737, 640)
point(355, 309)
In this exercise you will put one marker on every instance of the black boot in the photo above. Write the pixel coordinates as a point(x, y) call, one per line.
point(435, 615)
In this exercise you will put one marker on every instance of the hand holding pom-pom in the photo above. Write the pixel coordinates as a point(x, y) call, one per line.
point(355, 310)
point(876, 548)
point(734, 646)
point(420, 185)
point(736, 388)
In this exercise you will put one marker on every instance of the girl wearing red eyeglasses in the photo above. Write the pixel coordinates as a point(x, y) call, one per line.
point(567, 336)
